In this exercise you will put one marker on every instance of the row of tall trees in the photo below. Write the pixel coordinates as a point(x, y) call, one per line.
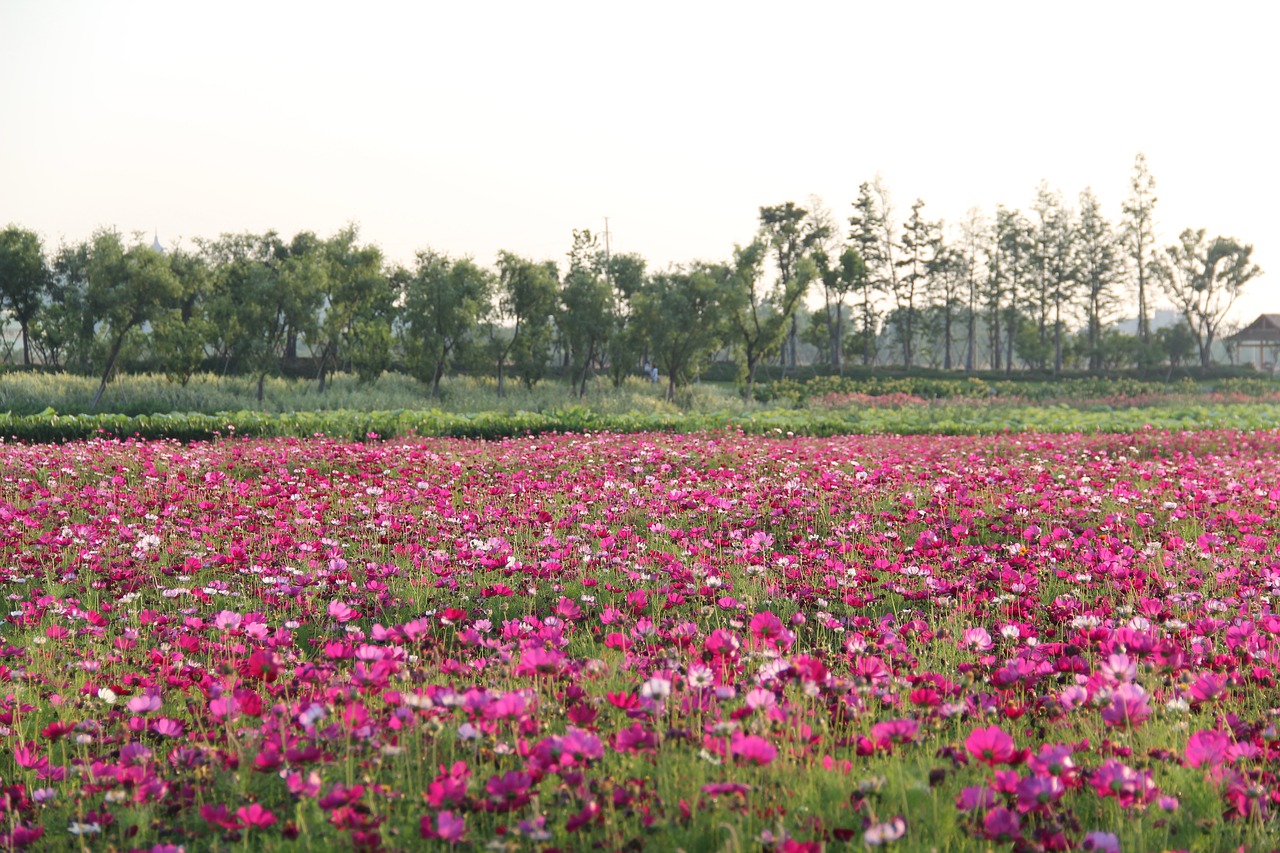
point(1025, 281)
point(1033, 289)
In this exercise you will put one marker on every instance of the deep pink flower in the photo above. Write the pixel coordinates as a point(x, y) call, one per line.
point(340, 612)
point(1000, 824)
point(255, 816)
point(1116, 779)
point(753, 749)
point(889, 732)
point(1128, 708)
point(1207, 748)
point(990, 746)
point(1102, 842)
point(449, 828)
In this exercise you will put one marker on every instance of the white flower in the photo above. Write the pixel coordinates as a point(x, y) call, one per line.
point(106, 694)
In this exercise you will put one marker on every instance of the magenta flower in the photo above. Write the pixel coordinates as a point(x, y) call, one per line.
point(510, 790)
point(889, 732)
point(1128, 708)
point(753, 749)
point(1102, 842)
point(255, 816)
point(449, 828)
point(340, 612)
point(978, 639)
point(1000, 824)
point(990, 746)
point(977, 797)
point(1116, 779)
point(1205, 688)
point(1207, 748)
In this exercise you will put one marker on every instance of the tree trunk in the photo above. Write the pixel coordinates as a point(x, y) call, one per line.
point(946, 336)
point(837, 344)
point(1057, 338)
point(262, 379)
point(436, 376)
point(106, 374)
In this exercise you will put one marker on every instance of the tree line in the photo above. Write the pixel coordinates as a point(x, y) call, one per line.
point(1029, 291)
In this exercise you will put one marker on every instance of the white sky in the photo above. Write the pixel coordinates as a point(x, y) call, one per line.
point(471, 127)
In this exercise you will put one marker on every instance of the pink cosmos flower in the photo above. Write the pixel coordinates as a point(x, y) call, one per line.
point(1128, 708)
point(510, 790)
point(1000, 824)
point(1038, 792)
point(753, 749)
point(450, 828)
point(990, 746)
point(255, 816)
point(1116, 779)
point(144, 704)
point(1206, 687)
point(340, 612)
point(978, 639)
point(1207, 748)
point(976, 797)
point(894, 731)
point(1052, 760)
point(1103, 842)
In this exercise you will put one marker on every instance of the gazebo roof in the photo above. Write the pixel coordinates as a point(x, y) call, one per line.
point(1265, 329)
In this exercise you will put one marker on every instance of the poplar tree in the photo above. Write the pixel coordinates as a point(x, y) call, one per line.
point(1139, 236)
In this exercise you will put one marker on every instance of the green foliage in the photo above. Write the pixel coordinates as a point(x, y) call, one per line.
point(586, 310)
point(24, 278)
point(526, 297)
point(442, 303)
point(952, 419)
point(1204, 278)
point(682, 315)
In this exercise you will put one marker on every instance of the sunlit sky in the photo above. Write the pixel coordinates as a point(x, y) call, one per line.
point(474, 127)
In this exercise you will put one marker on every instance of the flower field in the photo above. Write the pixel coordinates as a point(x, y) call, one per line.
point(708, 641)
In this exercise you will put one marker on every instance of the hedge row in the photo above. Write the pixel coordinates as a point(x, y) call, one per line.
point(954, 419)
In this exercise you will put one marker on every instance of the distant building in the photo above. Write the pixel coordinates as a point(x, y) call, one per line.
point(1161, 318)
point(155, 244)
point(1258, 343)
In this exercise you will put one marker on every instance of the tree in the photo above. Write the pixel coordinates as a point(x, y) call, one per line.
point(24, 279)
point(263, 293)
point(179, 334)
point(1098, 266)
point(848, 276)
point(527, 297)
point(63, 330)
point(1054, 259)
point(792, 233)
point(1204, 278)
point(442, 302)
point(625, 347)
point(586, 308)
point(973, 232)
point(354, 329)
point(946, 271)
point(1007, 263)
point(681, 314)
point(1139, 235)
point(126, 288)
point(866, 226)
point(917, 239)
point(1177, 342)
point(758, 316)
